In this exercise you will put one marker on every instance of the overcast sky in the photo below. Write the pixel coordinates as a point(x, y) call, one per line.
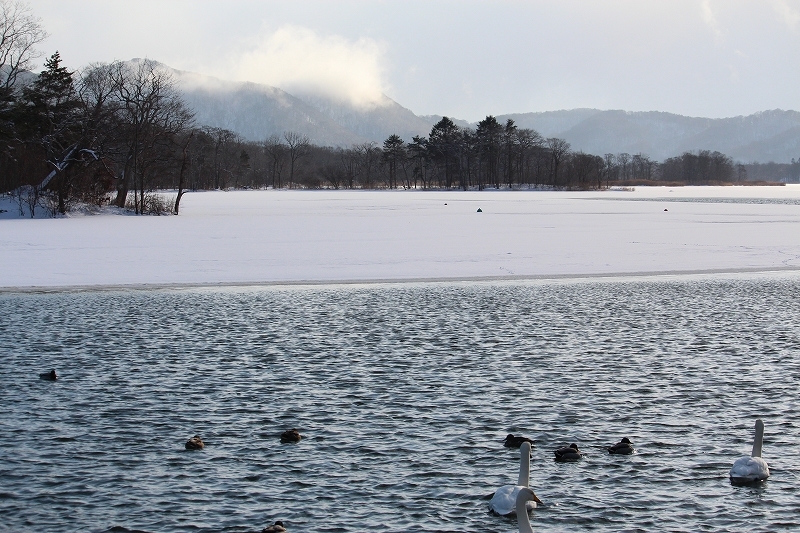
point(712, 58)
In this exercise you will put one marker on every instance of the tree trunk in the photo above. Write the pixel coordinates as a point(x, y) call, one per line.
point(184, 164)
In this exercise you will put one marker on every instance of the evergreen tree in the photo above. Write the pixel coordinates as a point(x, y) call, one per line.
point(48, 121)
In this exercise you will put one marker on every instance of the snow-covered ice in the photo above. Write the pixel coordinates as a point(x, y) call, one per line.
point(320, 236)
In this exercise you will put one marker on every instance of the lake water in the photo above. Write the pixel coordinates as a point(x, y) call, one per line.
point(404, 394)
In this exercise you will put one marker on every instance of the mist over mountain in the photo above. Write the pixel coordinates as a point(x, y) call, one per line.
point(256, 111)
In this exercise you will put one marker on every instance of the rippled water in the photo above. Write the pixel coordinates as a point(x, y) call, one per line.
point(404, 393)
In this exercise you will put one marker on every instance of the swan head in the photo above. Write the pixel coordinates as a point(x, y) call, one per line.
point(527, 495)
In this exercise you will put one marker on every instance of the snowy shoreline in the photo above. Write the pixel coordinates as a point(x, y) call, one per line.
point(273, 238)
point(610, 276)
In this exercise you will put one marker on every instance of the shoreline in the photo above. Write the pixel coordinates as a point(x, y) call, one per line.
point(615, 276)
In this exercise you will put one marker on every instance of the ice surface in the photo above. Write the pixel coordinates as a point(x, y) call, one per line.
point(295, 236)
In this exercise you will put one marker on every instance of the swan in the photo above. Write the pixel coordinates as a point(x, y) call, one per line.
point(504, 501)
point(49, 376)
point(291, 435)
point(623, 447)
point(568, 453)
point(525, 497)
point(277, 527)
point(195, 443)
point(753, 468)
point(515, 442)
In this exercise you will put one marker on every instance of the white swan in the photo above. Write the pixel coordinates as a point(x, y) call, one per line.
point(524, 497)
point(504, 501)
point(753, 468)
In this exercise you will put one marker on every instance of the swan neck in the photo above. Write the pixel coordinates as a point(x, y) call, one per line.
point(759, 439)
point(523, 520)
point(524, 465)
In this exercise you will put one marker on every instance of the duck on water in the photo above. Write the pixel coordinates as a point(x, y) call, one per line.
point(277, 527)
point(49, 376)
point(623, 447)
point(513, 441)
point(291, 435)
point(568, 453)
point(195, 443)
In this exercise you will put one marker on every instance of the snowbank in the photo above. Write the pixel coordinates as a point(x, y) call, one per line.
point(319, 236)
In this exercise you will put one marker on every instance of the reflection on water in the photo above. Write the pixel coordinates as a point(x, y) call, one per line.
point(404, 394)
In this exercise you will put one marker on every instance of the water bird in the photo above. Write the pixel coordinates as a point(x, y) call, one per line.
point(195, 443)
point(277, 527)
point(49, 376)
point(524, 497)
point(753, 468)
point(568, 453)
point(515, 442)
point(504, 501)
point(623, 447)
point(480, 210)
point(291, 435)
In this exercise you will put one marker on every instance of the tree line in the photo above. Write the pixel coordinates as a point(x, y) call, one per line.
point(115, 134)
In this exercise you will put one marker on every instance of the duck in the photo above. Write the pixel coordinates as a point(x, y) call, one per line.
point(49, 376)
point(623, 447)
point(752, 468)
point(524, 497)
point(568, 453)
point(277, 527)
point(515, 442)
point(504, 500)
point(195, 443)
point(291, 435)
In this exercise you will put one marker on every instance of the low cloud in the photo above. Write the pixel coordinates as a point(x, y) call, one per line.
point(711, 21)
point(788, 14)
point(298, 59)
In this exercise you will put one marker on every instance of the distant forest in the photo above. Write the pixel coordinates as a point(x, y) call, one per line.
point(119, 133)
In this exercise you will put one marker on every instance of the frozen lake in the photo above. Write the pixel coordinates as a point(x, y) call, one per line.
point(251, 237)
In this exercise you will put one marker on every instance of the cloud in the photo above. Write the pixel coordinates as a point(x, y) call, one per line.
point(298, 59)
point(788, 14)
point(711, 21)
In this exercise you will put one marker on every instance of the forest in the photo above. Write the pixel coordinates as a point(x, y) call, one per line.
point(118, 133)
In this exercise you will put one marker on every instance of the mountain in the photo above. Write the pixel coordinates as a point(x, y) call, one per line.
point(764, 136)
point(256, 111)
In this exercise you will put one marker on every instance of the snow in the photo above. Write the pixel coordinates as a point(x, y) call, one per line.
point(246, 237)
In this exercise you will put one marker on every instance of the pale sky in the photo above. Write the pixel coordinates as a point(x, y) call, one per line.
point(712, 58)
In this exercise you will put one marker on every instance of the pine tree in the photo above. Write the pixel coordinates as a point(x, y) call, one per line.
point(48, 117)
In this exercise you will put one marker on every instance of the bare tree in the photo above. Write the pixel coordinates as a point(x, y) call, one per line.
point(184, 166)
point(152, 113)
point(559, 149)
point(20, 32)
point(298, 147)
point(276, 153)
point(368, 156)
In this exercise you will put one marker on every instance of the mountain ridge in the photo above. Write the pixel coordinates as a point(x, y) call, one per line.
point(256, 111)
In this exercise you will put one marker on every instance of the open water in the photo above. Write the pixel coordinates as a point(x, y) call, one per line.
point(404, 394)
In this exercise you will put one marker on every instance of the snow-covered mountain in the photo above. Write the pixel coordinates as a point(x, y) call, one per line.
point(256, 111)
